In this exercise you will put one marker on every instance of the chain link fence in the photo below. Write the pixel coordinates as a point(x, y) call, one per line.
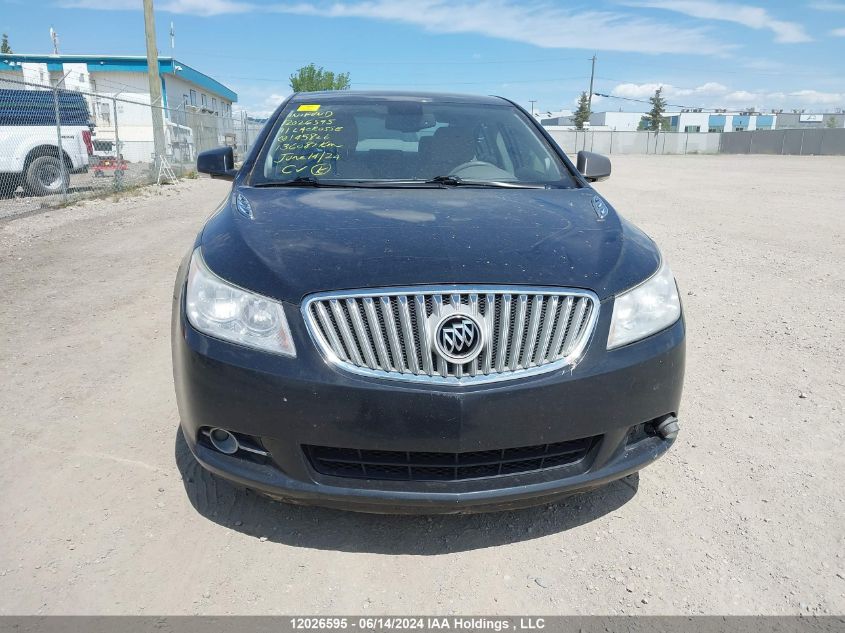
point(59, 145)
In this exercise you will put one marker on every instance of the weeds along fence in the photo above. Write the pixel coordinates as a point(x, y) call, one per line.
point(59, 145)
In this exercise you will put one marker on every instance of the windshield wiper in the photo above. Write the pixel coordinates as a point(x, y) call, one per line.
point(301, 181)
point(443, 181)
point(457, 181)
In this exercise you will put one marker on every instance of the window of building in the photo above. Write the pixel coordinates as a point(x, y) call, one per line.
point(214, 104)
point(185, 99)
point(204, 100)
point(105, 112)
point(739, 128)
point(692, 128)
point(193, 97)
point(714, 128)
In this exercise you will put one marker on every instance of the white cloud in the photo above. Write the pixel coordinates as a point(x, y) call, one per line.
point(828, 6)
point(255, 101)
point(741, 96)
point(643, 91)
point(838, 32)
point(270, 103)
point(752, 17)
point(542, 25)
point(206, 7)
point(814, 97)
point(716, 95)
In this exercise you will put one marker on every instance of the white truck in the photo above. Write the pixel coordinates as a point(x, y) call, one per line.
point(29, 147)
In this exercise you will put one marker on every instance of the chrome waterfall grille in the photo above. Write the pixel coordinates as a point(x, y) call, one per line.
point(452, 334)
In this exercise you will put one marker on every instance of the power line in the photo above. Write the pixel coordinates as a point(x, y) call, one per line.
point(671, 105)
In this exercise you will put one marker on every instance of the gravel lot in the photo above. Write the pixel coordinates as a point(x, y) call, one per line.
point(104, 512)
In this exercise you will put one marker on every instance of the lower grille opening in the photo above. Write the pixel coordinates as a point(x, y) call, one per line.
point(429, 466)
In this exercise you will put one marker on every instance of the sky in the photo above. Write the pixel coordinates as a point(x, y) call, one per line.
point(711, 54)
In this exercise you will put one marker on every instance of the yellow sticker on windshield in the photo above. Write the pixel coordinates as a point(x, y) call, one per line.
point(308, 108)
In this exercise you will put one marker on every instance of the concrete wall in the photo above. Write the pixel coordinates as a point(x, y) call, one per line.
point(819, 141)
point(609, 142)
point(617, 121)
point(830, 142)
point(793, 121)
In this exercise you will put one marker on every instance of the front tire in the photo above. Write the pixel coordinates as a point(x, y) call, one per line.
point(46, 176)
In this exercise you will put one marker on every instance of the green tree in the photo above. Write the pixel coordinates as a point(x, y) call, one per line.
point(582, 113)
point(310, 78)
point(4, 45)
point(655, 120)
point(831, 122)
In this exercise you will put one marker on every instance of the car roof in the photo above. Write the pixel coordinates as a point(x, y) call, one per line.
point(372, 95)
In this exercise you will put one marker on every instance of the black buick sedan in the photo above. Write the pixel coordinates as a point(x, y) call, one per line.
point(417, 303)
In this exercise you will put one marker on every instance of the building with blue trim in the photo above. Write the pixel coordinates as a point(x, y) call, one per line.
point(197, 108)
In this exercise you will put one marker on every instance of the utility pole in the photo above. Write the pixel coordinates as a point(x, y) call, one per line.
point(156, 103)
point(62, 167)
point(532, 102)
point(54, 37)
point(592, 77)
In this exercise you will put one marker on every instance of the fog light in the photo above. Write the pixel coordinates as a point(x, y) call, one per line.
point(223, 441)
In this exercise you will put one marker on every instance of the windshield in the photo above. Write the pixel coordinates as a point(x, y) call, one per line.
point(408, 142)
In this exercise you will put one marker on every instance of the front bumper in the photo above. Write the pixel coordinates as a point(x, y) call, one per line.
point(288, 403)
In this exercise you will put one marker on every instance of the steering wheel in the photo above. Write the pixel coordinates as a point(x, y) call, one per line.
point(470, 164)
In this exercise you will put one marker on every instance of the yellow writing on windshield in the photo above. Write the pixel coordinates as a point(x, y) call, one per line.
point(308, 141)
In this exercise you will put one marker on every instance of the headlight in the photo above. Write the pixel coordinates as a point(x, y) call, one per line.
point(224, 311)
point(645, 309)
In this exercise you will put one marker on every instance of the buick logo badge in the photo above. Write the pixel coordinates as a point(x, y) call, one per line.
point(458, 338)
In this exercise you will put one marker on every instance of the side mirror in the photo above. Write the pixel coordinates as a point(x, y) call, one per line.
point(218, 163)
point(593, 166)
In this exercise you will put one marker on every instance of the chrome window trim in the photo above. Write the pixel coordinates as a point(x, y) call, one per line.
point(569, 361)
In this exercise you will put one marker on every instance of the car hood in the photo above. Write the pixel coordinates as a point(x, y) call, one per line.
point(304, 240)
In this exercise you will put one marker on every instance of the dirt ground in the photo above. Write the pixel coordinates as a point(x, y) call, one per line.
point(104, 512)
point(81, 186)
